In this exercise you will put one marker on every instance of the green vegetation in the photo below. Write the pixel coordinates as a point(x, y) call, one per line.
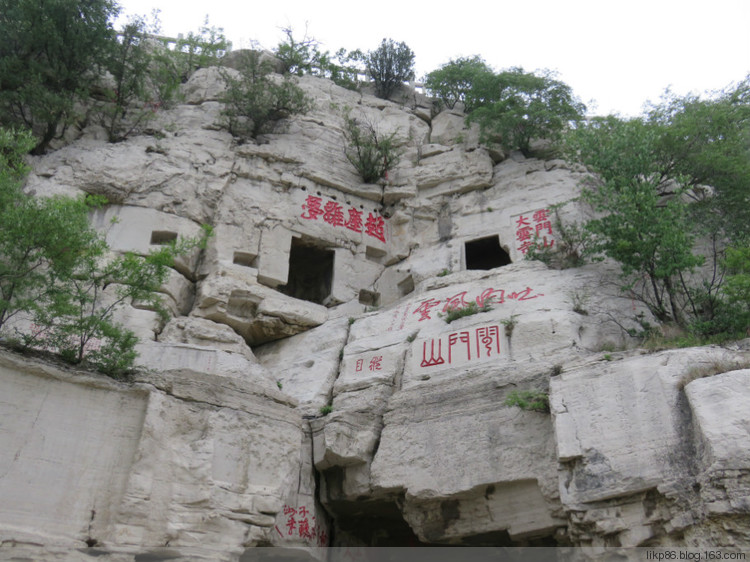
point(303, 57)
point(572, 245)
point(533, 400)
point(389, 66)
point(468, 310)
point(254, 102)
point(129, 62)
point(54, 60)
point(459, 80)
point(510, 324)
point(370, 152)
point(199, 50)
point(512, 107)
point(325, 410)
point(57, 272)
point(49, 57)
point(675, 176)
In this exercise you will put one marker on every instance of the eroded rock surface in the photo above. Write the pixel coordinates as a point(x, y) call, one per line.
point(319, 293)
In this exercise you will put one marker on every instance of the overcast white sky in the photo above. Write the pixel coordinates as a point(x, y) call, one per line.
point(615, 54)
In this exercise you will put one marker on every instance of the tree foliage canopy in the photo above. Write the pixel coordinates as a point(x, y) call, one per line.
point(512, 107)
point(678, 174)
point(389, 66)
point(460, 80)
point(516, 107)
point(50, 55)
point(57, 272)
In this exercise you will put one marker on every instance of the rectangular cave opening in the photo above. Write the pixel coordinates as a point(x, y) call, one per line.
point(369, 298)
point(162, 237)
point(310, 271)
point(486, 253)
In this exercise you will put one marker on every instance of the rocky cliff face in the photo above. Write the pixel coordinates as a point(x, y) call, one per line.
point(319, 290)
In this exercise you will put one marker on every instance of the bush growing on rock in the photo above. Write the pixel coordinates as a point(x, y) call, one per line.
point(512, 107)
point(371, 152)
point(303, 57)
point(255, 100)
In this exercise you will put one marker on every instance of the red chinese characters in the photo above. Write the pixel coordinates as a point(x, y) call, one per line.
point(301, 523)
point(463, 337)
point(457, 302)
point(332, 213)
point(375, 227)
point(462, 347)
point(538, 234)
point(434, 359)
point(425, 307)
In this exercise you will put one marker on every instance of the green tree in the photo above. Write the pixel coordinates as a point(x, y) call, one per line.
point(645, 224)
point(79, 312)
point(461, 80)
point(389, 66)
point(303, 57)
point(200, 50)
point(131, 102)
point(706, 142)
point(300, 56)
point(678, 174)
point(516, 107)
point(737, 290)
point(40, 239)
point(255, 101)
point(50, 54)
point(56, 270)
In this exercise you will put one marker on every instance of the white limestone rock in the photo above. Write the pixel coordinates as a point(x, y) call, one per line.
point(449, 128)
point(719, 404)
point(259, 314)
point(205, 333)
point(452, 172)
point(306, 365)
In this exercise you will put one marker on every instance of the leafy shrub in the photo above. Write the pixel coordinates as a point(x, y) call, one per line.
point(325, 410)
point(389, 66)
point(572, 245)
point(300, 56)
point(55, 270)
point(255, 102)
point(303, 56)
point(371, 153)
point(468, 310)
point(529, 400)
point(510, 324)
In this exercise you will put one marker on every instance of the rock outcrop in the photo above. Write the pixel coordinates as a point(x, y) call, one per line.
point(318, 291)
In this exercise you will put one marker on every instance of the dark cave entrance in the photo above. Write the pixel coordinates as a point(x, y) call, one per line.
point(485, 253)
point(310, 271)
